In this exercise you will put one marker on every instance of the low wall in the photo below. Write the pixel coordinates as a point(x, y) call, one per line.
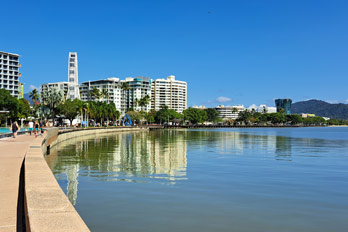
point(46, 206)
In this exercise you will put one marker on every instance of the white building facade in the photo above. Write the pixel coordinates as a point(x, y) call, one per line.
point(112, 86)
point(139, 87)
point(63, 86)
point(169, 92)
point(73, 77)
point(229, 112)
point(9, 73)
point(262, 108)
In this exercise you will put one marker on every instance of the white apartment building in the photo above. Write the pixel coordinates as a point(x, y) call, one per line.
point(169, 92)
point(111, 85)
point(73, 77)
point(229, 112)
point(263, 108)
point(63, 86)
point(9, 72)
point(139, 87)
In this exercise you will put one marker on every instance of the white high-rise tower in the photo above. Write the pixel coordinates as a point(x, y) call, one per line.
point(73, 91)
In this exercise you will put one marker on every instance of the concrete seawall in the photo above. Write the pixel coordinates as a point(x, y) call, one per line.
point(46, 206)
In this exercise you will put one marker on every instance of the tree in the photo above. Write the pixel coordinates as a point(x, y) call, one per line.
point(70, 109)
point(105, 94)
point(195, 115)
point(8, 103)
point(150, 116)
point(52, 98)
point(23, 108)
point(143, 102)
point(96, 94)
point(294, 119)
point(34, 95)
point(244, 116)
point(135, 116)
point(212, 115)
point(165, 115)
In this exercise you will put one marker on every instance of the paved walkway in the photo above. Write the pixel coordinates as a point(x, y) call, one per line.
point(12, 152)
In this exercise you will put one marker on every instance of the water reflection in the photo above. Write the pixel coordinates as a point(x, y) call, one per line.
point(161, 155)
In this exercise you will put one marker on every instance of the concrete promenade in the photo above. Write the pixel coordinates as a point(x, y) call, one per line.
point(12, 152)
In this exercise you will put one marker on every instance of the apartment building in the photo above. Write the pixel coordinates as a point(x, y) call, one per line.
point(139, 87)
point(229, 112)
point(9, 72)
point(63, 86)
point(169, 92)
point(111, 86)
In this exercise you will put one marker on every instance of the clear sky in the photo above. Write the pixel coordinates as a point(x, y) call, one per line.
point(229, 52)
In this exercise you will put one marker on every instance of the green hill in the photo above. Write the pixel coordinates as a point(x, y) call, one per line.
point(321, 108)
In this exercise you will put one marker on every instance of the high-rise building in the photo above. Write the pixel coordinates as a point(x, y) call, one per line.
point(63, 86)
point(110, 86)
point(284, 104)
point(139, 87)
point(169, 92)
point(9, 72)
point(73, 91)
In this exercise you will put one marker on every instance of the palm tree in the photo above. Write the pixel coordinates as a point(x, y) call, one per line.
point(105, 94)
point(143, 102)
point(136, 102)
point(52, 98)
point(34, 95)
point(86, 109)
point(95, 93)
point(125, 87)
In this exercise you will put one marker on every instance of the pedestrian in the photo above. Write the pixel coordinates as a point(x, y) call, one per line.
point(36, 130)
point(41, 126)
point(14, 129)
point(30, 127)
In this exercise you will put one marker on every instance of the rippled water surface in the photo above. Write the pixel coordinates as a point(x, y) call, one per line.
point(293, 179)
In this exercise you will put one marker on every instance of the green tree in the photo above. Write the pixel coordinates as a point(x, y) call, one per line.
point(23, 108)
point(8, 103)
point(166, 115)
point(70, 109)
point(195, 115)
point(135, 116)
point(143, 102)
point(52, 98)
point(294, 119)
point(34, 95)
point(96, 94)
point(105, 94)
point(212, 115)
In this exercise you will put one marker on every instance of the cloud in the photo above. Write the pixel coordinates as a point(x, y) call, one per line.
point(223, 99)
point(31, 87)
point(346, 100)
point(332, 101)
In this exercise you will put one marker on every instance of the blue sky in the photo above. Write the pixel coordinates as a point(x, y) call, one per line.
point(229, 52)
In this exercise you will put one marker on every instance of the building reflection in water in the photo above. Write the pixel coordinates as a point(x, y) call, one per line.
point(133, 157)
point(156, 156)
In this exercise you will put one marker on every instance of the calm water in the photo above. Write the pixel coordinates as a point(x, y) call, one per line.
point(292, 179)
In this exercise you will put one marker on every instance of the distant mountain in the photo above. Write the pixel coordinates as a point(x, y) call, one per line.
point(26, 97)
point(321, 108)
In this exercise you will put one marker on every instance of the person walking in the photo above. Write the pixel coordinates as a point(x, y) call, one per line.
point(36, 131)
point(14, 129)
point(31, 127)
point(41, 126)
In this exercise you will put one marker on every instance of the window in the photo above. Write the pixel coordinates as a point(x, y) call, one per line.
point(72, 65)
point(71, 71)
